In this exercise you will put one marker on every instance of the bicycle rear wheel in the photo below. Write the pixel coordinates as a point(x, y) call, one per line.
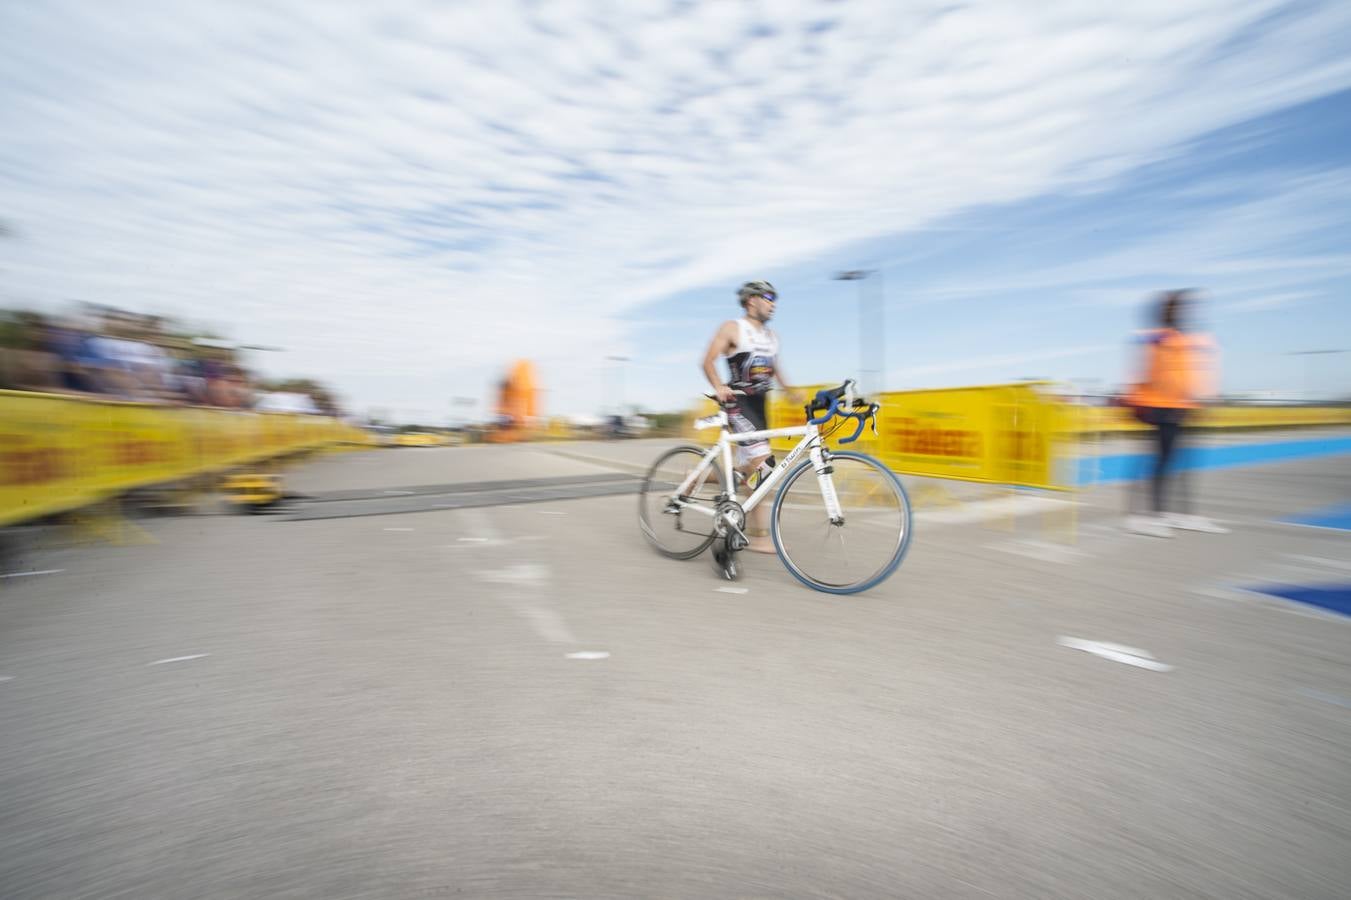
point(859, 551)
point(685, 529)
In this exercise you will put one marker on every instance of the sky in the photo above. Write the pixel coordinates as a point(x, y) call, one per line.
point(406, 197)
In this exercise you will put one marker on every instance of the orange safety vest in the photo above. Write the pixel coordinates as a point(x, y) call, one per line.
point(1179, 370)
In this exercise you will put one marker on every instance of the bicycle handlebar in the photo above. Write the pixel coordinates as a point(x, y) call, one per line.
point(830, 400)
point(830, 414)
point(863, 419)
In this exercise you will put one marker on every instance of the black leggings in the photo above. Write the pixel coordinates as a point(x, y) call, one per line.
point(1168, 432)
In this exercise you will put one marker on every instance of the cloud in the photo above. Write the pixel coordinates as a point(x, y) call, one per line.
point(1272, 236)
point(1265, 301)
point(422, 188)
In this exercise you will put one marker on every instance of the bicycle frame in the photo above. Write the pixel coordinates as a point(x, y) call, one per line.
point(811, 442)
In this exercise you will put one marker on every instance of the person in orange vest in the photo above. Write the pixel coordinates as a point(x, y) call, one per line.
point(1180, 373)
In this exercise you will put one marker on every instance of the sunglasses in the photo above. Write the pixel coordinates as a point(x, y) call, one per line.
point(771, 297)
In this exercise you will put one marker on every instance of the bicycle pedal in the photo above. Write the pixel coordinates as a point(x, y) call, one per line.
point(726, 563)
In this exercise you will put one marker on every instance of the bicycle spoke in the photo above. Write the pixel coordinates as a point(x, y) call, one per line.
point(688, 530)
point(876, 513)
point(844, 548)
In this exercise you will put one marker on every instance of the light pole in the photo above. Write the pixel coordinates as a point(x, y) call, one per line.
point(461, 419)
point(619, 382)
point(871, 329)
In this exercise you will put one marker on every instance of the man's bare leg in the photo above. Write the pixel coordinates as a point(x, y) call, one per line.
point(757, 527)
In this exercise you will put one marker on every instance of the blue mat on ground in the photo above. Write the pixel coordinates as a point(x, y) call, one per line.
point(1134, 466)
point(1336, 517)
point(1334, 597)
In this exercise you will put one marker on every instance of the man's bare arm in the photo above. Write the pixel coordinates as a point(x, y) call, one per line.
point(723, 340)
point(794, 394)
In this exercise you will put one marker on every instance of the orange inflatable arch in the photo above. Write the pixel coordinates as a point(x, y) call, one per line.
point(518, 397)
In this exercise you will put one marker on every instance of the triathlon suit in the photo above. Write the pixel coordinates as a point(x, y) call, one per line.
point(751, 367)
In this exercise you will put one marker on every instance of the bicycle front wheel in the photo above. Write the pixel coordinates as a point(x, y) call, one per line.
point(680, 527)
point(860, 549)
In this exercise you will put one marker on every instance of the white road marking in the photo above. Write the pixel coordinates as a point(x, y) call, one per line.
point(589, 654)
point(731, 590)
point(548, 624)
point(522, 573)
point(174, 659)
point(1283, 573)
point(1131, 656)
point(1325, 697)
point(491, 542)
point(1307, 525)
point(1267, 600)
point(982, 510)
point(551, 512)
point(1221, 592)
point(1046, 551)
point(27, 574)
point(1321, 561)
point(6, 677)
point(398, 529)
point(398, 493)
point(1295, 608)
point(479, 524)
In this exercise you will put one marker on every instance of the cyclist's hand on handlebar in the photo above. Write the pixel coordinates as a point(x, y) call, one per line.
point(724, 394)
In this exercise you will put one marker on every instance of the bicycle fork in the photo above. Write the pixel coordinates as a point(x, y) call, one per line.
point(821, 464)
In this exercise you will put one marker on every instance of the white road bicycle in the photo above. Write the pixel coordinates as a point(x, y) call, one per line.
point(842, 531)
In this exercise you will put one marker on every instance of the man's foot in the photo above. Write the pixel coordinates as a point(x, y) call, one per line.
point(1196, 523)
point(1149, 526)
point(725, 560)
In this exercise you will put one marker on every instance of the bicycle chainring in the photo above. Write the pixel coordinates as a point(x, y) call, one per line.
point(729, 509)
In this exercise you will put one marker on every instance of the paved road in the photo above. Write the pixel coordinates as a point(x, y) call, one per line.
point(388, 706)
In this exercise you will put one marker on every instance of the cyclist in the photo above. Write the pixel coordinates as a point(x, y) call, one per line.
point(753, 362)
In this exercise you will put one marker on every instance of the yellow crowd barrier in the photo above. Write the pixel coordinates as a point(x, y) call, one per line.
point(61, 453)
point(1008, 434)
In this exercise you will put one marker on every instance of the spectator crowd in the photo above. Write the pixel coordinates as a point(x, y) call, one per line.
point(112, 353)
